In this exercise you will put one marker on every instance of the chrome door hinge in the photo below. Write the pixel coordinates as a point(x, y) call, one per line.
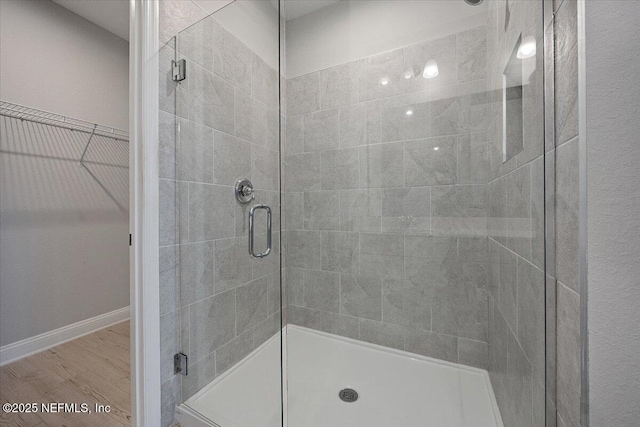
point(179, 70)
point(181, 364)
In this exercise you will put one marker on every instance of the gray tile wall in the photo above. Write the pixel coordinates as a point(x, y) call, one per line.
point(220, 124)
point(567, 211)
point(516, 279)
point(386, 212)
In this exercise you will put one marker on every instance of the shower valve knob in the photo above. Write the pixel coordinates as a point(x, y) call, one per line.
point(244, 191)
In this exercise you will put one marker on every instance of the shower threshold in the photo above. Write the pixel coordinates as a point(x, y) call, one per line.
point(394, 388)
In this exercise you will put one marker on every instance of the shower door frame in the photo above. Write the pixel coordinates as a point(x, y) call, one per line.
point(144, 164)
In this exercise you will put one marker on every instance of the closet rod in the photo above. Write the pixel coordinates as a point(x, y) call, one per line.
point(21, 112)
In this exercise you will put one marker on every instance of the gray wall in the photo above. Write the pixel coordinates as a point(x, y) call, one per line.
point(613, 155)
point(57, 61)
point(386, 236)
point(63, 239)
point(217, 303)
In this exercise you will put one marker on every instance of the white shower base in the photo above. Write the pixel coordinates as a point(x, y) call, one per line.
point(395, 388)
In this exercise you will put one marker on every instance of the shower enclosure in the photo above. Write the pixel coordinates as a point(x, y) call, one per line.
point(353, 215)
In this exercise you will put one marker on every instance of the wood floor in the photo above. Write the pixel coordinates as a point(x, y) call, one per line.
point(92, 369)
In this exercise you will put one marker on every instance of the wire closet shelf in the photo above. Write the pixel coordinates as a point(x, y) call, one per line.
point(22, 112)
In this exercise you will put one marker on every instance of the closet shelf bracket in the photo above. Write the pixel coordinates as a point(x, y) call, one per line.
point(86, 147)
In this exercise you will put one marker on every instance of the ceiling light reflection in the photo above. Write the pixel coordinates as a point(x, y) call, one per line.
point(430, 69)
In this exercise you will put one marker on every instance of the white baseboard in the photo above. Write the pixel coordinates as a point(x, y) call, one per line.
point(17, 350)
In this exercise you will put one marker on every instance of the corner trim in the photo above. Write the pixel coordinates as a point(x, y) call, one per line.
point(144, 93)
point(18, 350)
point(582, 216)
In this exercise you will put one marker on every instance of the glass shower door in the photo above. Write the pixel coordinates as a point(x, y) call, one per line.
point(228, 216)
point(414, 205)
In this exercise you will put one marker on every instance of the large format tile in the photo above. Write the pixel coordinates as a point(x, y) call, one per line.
point(497, 210)
point(519, 409)
point(293, 210)
point(473, 353)
point(231, 260)
point(302, 172)
point(430, 260)
point(294, 135)
point(406, 303)
point(382, 334)
point(460, 109)
point(568, 355)
point(519, 211)
point(566, 72)
point(508, 287)
point(169, 212)
point(339, 85)
point(201, 373)
point(321, 130)
point(251, 304)
point(498, 347)
point(360, 124)
point(169, 395)
point(361, 296)
point(267, 329)
point(531, 312)
point(361, 210)
point(322, 210)
point(381, 255)
point(339, 169)
point(471, 49)
point(406, 210)
point(255, 122)
point(175, 16)
point(303, 94)
point(405, 117)
point(460, 309)
point(538, 206)
point(264, 168)
point(211, 100)
point(473, 158)
point(231, 159)
point(197, 42)
point(264, 82)
point(234, 351)
point(321, 290)
point(169, 276)
point(195, 152)
point(440, 346)
point(332, 323)
point(567, 208)
point(212, 324)
point(341, 252)
point(304, 249)
point(167, 144)
point(381, 166)
point(169, 344)
point(196, 272)
point(378, 69)
point(232, 59)
point(459, 210)
point(431, 161)
point(211, 212)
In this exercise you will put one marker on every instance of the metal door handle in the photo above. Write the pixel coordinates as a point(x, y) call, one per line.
point(252, 212)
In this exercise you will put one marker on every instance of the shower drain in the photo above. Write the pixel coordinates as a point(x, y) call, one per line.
point(348, 395)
